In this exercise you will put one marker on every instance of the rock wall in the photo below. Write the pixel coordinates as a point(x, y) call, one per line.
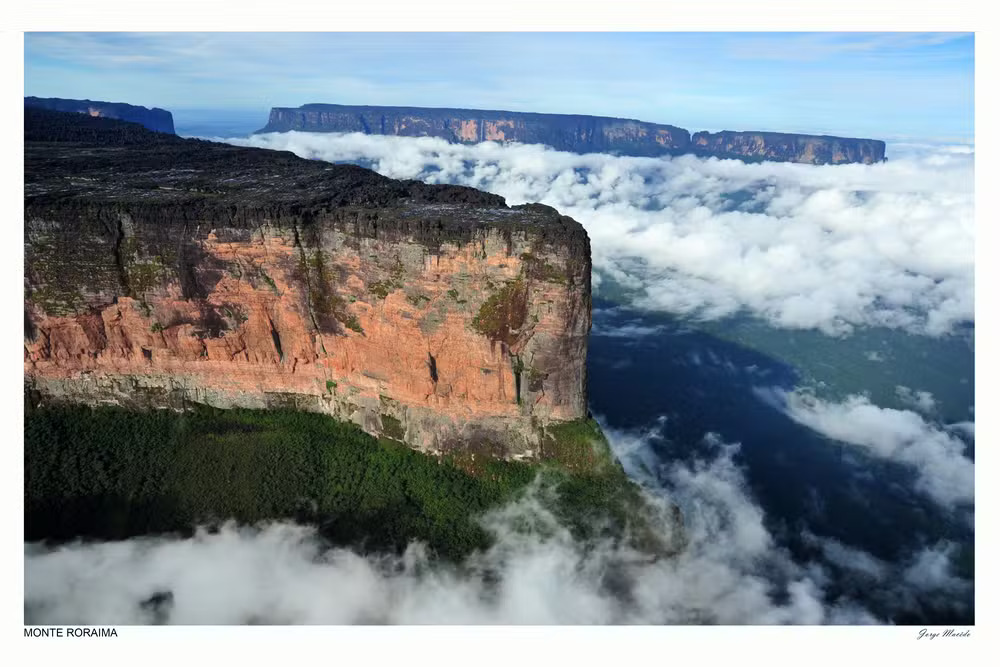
point(577, 134)
point(156, 119)
point(804, 148)
point(203, 272)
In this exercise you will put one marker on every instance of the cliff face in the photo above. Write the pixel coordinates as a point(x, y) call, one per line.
point(172, 270)
point(577, 134)
point(783, 147)
point(156, 119)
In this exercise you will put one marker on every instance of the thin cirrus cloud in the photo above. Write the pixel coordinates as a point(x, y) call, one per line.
point(816, 46)
point(838, 83)
point(804, 247)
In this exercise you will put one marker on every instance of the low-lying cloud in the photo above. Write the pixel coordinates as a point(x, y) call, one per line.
point(731, 571)
point(925, 578)
point(803, 246)
point(933, 451)
point(921, 400)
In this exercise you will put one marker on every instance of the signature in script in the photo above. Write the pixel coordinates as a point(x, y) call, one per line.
point(950, 632)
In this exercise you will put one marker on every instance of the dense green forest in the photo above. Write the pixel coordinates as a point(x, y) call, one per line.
point(111, 473)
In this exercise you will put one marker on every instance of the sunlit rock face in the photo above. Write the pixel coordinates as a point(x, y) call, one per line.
point(779, 146)
point(578, 134)
point(169, 271)
point(156, 119)
point(575, 134)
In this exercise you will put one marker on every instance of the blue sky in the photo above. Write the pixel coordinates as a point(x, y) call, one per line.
point(882, 85)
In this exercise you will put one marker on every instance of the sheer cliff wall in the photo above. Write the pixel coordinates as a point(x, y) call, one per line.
point(574, 133)
point(580, 134)
point(784, 147)
point(161, 271)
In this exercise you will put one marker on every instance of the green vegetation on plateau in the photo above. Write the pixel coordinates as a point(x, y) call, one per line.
point(110, 473)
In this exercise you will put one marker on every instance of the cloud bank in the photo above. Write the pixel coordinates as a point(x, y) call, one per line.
point(944, 472)
point(732, 570)
point(826, 247)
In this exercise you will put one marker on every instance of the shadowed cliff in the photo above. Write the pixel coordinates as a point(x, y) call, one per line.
point(156, 119)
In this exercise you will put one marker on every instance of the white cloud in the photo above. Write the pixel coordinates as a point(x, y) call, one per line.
point(731, 570)
point(626, 331)
point(944, 473)
point(629, 329)
point(924, 578)
point(921, 400)
point(967, 428)
point(847, 557)
point(827, 247)
point(930, 569)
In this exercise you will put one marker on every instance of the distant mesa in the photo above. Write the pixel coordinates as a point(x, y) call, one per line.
point(573, 133)
point(156, 119)
point(566, 133)
point(784, 147)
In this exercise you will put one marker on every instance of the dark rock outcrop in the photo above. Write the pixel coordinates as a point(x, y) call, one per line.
point(577, 134)
point(162, 270)
point(156, 119)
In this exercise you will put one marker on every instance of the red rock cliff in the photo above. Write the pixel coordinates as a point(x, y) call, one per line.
point(166, 271)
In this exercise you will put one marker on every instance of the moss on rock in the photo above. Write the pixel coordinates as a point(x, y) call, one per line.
point(503, 314)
